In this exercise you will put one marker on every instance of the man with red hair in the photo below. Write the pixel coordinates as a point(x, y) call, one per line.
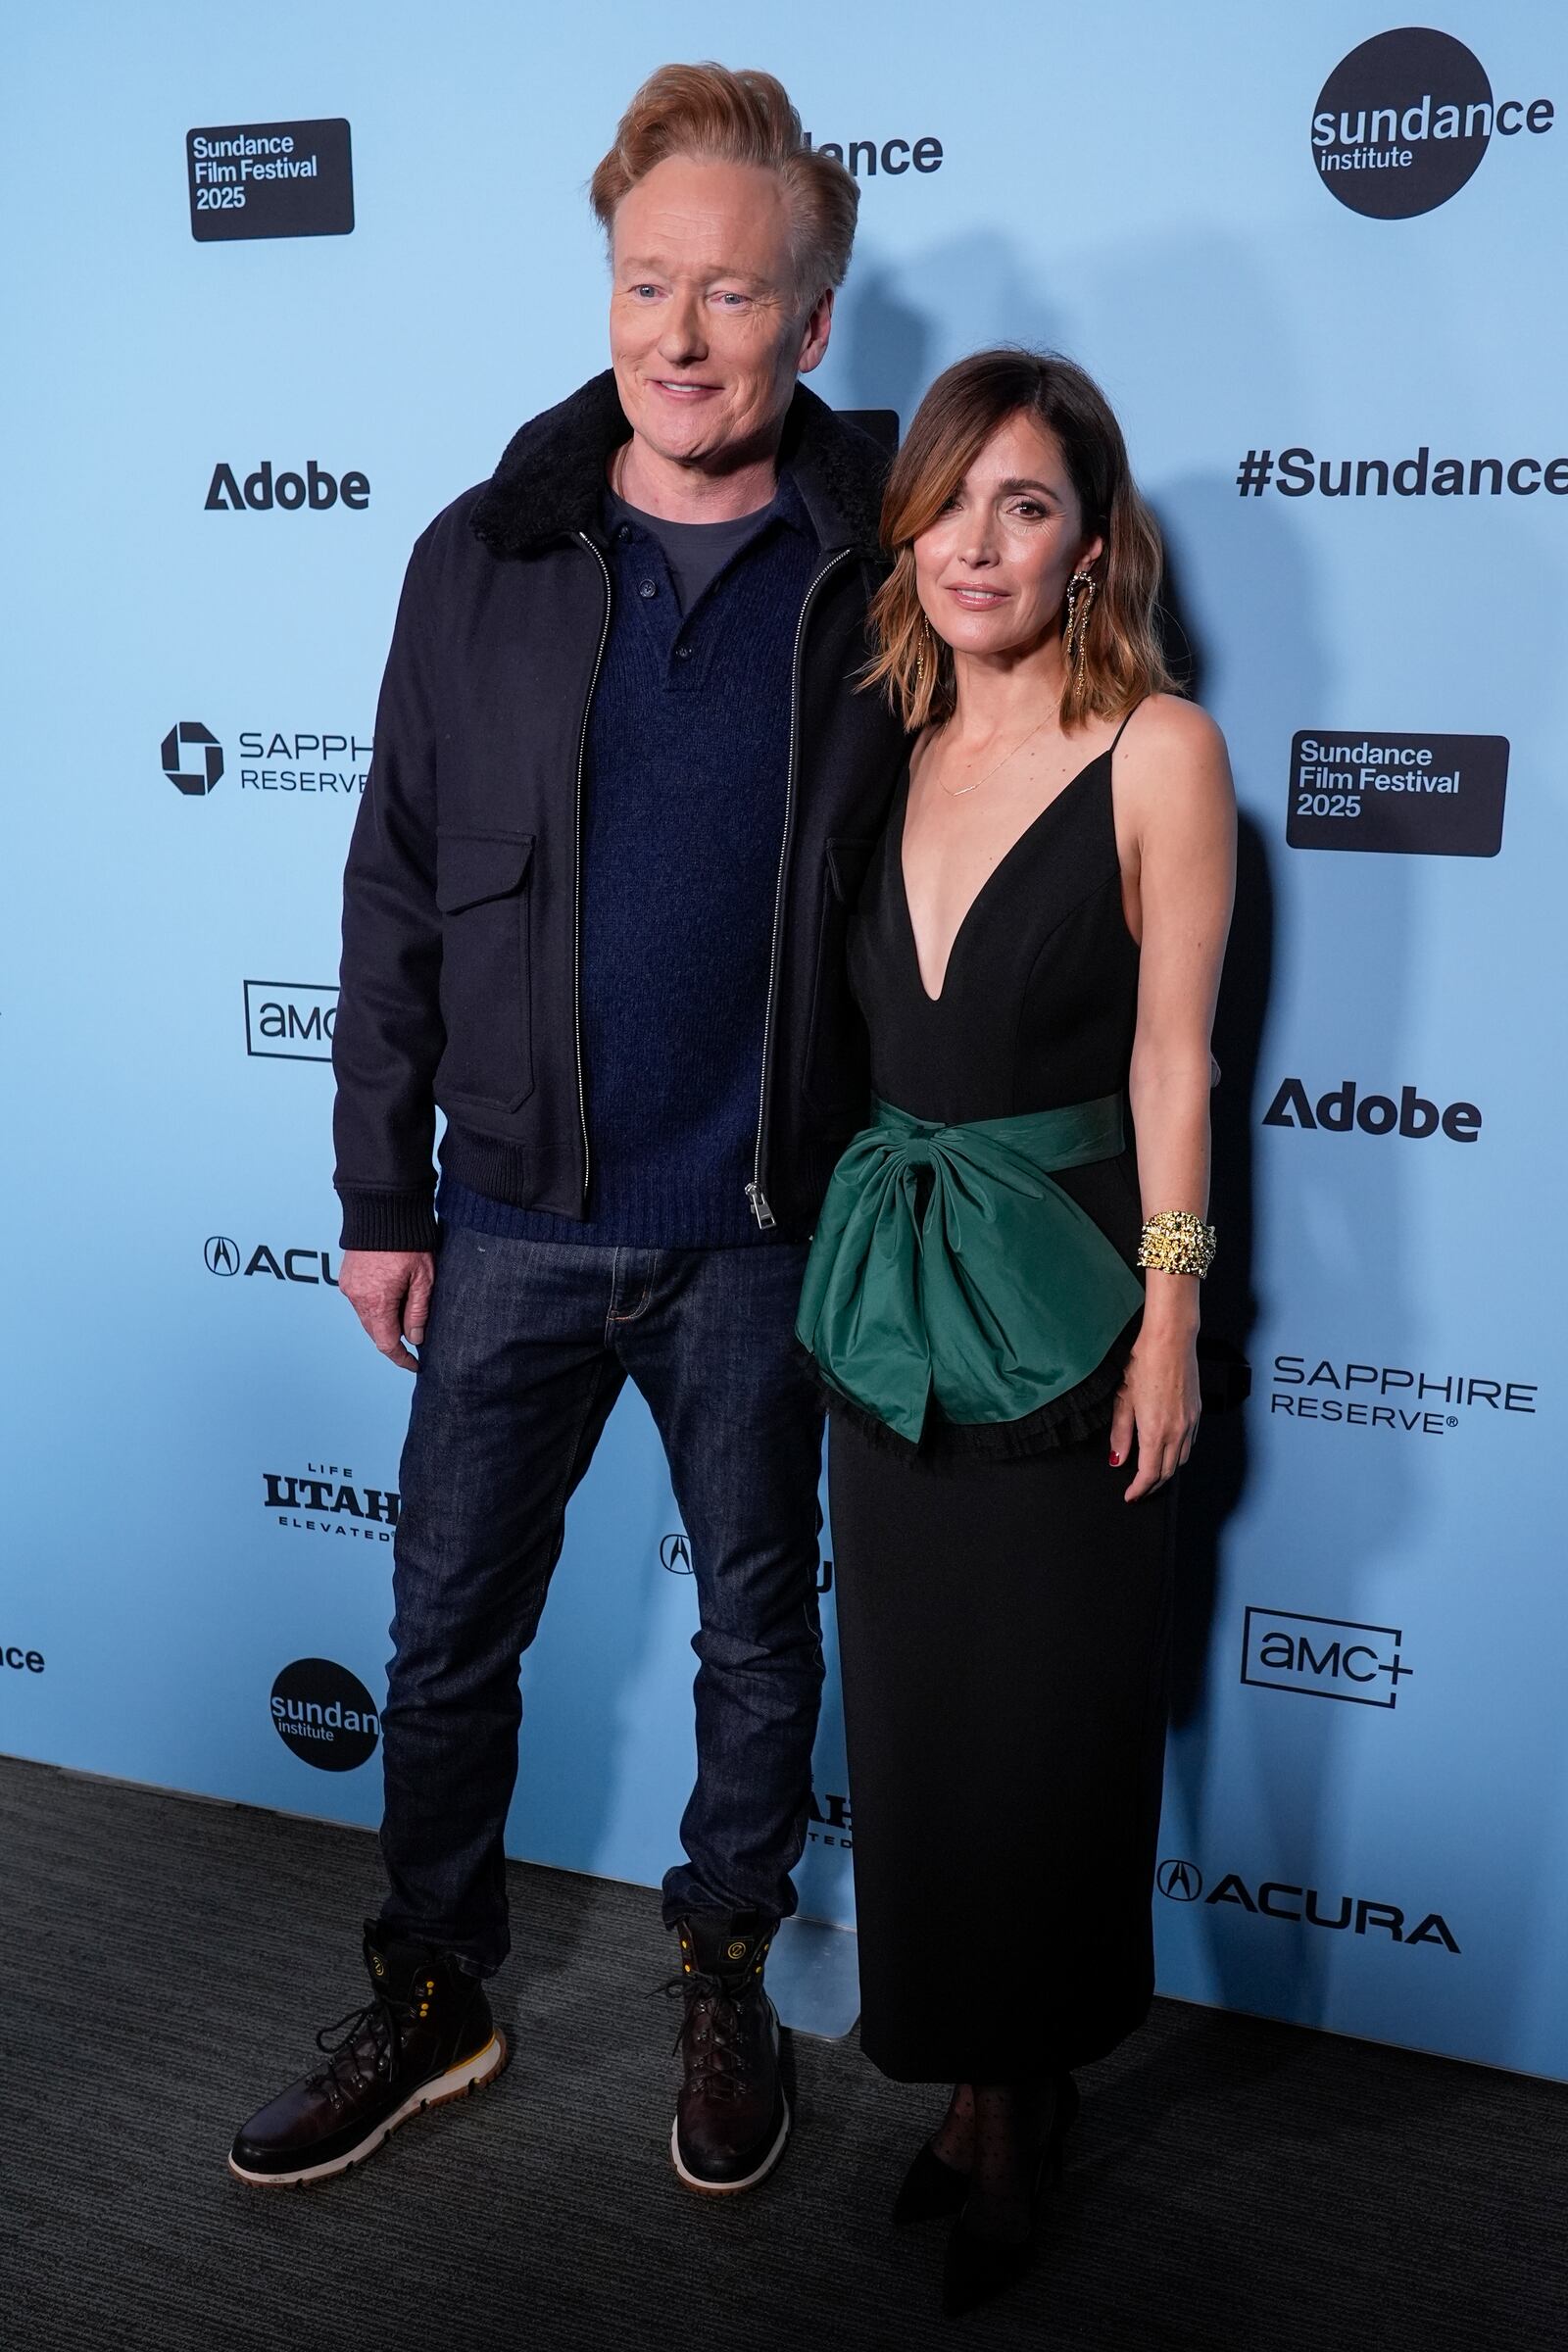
point(624, 789)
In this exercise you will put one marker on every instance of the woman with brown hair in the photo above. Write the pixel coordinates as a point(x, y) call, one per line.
point(1002, 1294)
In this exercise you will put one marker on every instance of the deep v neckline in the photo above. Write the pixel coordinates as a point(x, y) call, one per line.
point(1007, 857)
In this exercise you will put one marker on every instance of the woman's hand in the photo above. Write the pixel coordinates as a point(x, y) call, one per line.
point(1156, 1406)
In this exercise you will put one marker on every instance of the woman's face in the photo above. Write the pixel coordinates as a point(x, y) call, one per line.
point(992, 571)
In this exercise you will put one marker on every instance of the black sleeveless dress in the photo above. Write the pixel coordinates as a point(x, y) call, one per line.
point(1003, 1614)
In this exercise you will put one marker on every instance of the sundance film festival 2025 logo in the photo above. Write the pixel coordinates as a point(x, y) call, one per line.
point(1344, 1109)
point(270, 179)
point(1323, 1657)
point(1403, 121)
point(1435, 796)
point(1400, 1399)
point(325, 1498)
point(301, 763)
point(289, 1020)
point(1182, 1882)
point(676, 1555)
point(288, 491)
point(325, 1715)
point(223, 1255)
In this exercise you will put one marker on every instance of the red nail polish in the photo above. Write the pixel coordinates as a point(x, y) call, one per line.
point(1116, 1462)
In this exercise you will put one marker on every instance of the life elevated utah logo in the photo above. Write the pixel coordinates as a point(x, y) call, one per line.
point(325, 1498)
point(270, 179)
point(829, 1821)
point(1405, 120)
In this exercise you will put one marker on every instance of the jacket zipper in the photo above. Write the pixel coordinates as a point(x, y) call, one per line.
point(576, 917)
point(756, 1195)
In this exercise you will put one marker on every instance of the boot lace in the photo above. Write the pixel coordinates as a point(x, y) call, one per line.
point(367, 2033)
point(713, 2036)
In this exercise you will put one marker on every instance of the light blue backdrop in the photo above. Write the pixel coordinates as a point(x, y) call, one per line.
point(1132, 184)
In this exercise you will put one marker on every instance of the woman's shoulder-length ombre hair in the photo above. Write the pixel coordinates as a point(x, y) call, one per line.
point(1122, 661)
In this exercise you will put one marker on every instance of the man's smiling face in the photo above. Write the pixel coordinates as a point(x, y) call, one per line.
point(708, 326)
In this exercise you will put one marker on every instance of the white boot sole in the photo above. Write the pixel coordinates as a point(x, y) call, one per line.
point(729, 2188)
point(456, 2084)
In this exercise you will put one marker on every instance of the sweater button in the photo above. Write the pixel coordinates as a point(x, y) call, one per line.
point(683, 653)
point(648, 588)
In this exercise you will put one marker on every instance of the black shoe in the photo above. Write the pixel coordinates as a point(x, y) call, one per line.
point(424, 2037)
point(731, 2116)
point(975, 2269)
point(929, 2189)
point(932, 2189)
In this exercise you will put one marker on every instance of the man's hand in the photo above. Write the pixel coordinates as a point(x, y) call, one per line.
point(389, 1290)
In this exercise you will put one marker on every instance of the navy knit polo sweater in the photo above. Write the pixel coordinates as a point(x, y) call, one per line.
point(683, 823)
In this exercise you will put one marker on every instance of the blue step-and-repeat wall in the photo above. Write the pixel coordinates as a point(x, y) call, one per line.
point(1316, 260)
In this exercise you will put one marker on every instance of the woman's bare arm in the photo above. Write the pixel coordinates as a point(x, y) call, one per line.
point(1175, 804)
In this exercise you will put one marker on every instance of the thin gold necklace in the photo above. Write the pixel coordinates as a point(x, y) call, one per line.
point(963, 791)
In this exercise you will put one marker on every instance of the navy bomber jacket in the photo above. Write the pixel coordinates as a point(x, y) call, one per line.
point(459, 983)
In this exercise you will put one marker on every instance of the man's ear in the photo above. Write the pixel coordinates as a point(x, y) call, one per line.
point(815, 332)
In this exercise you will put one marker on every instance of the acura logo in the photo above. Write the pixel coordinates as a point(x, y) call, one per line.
point(674, 1553)
point(220, 1254)
point(1183, 1882)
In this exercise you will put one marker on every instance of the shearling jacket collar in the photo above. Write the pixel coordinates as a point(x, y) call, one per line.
point(551, 479)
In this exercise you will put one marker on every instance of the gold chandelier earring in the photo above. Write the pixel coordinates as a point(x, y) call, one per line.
point(1082, 590)
point(925, 662)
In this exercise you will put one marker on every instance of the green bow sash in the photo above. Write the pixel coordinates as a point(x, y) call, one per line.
point(995, 1293)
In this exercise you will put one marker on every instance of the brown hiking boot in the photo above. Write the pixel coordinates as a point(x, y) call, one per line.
point(424, 2037)
point(731, 2117)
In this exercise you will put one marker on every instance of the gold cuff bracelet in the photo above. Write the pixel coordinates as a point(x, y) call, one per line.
point(1177, 1242)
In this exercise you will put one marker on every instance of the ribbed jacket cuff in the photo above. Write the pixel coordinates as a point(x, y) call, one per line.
point(374, 1220)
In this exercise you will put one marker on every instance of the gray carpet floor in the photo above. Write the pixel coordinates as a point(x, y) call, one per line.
point(1234, 2184)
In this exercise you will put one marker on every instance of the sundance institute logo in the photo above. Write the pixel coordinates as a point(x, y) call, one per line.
point(325, 1715)
point(1403, 121)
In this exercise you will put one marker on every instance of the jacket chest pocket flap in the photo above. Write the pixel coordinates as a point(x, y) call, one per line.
point(481, 889)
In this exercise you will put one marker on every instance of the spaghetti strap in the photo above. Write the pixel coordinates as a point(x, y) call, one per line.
point(1122, 729)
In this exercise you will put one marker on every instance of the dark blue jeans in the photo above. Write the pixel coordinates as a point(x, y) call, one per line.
point(528, 1346)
